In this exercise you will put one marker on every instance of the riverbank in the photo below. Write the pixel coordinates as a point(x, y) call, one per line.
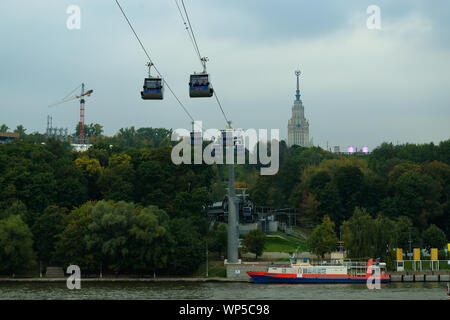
point(434, 276)
point(128, 279)
point(395, 277)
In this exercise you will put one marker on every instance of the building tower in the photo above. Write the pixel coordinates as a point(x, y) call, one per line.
point(298, 126)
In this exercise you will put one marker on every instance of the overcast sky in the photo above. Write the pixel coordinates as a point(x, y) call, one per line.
point(358, 86)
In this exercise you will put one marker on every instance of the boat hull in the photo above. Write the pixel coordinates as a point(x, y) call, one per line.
point(264, 277)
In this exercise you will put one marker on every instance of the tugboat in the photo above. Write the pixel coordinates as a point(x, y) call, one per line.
point(323, 273)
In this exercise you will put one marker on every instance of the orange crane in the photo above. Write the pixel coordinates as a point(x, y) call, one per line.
point(71, 97)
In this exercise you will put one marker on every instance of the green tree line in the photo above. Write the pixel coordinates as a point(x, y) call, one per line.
point(409, 181)
point(126, 209)
point(52, 197)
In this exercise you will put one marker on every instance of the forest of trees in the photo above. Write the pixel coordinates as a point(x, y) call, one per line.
point(393, 193)
point(124, 206)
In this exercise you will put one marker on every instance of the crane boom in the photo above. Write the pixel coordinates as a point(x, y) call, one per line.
point(88, 93)
point(82, 101)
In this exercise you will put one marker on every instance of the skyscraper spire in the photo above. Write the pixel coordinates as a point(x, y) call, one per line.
point(298, 126)
point(297, 93)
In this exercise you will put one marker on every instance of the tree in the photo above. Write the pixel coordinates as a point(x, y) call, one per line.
point(416, 195)
point(309, 208)
point(46, 229)
point(192, 205)
point(219, 239)
point(434, 237)
point(17, 208)
point(28, 176)
point(21, 131)
point(358, 234)
point(90, 130)
point(385, 239)
point(58, 148)
point(71, 246)
point(188, 248)
point(92, 170)
point(109, 233)
point(323, 239)
point(71, 183)
point(405, 233)
point(4, 128)
point(254, 242)
point(349, 180)
point(115, 182)
point(150, 240)
point(16, 246)
point(260, 190)
point(127, 137)
point(330, 203)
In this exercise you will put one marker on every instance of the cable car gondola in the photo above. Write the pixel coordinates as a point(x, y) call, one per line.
point(199, 84)
point(153, 87)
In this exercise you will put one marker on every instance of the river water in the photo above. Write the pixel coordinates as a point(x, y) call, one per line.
point(216, 291)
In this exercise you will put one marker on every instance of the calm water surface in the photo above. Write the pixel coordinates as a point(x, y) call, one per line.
point(212, 290)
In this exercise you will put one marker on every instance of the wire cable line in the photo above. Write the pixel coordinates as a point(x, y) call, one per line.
point(197, 50)
point(193, 36)
point(189, 34)
point(150, 60)
point(72, 92)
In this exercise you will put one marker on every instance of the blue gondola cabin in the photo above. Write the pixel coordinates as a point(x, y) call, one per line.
point(199, 86)
point(153, 89)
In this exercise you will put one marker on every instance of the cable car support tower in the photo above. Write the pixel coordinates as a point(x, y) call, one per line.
point(233, 232)
point(228, 143)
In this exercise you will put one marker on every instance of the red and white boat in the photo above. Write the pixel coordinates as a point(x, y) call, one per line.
point(323, 273)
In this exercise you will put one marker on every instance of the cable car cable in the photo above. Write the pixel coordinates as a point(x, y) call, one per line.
point(150, 60)
point(199, 55)
point(221, 109)
point(189, 33)
point(193, 36)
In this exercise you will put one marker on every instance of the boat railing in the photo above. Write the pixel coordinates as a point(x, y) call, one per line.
point(348, 263)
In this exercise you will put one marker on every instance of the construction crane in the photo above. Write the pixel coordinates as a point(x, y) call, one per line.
point(71, 97)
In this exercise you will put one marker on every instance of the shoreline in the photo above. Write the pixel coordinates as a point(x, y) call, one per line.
point(436, 276)
point(212, 279)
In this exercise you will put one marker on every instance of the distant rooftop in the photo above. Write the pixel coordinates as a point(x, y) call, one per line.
point(9, 135)
point(6, 137)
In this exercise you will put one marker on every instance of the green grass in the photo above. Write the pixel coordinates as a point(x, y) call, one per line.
point(426, 265)
point(284, 244)
point(306, 231)
point(216, 268)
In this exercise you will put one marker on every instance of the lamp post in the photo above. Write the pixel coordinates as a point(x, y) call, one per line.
point(410, 241)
